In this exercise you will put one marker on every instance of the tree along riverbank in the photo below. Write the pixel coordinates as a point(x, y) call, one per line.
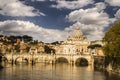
point(103, 64)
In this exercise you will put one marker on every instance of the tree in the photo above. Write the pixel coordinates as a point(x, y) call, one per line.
point(48, 49)
point(27, 38)
point(12, 39)
point(94, 46)
point(56, 42)
point(112, 44)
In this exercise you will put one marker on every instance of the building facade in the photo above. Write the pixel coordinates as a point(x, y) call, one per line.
point(76, 43)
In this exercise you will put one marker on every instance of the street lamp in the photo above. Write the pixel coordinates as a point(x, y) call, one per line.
point(12, 59)
point(32, 59)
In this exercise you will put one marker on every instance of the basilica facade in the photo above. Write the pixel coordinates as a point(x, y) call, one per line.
point(76, 43)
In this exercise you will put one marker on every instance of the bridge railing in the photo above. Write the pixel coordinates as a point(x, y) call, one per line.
point(44, 54)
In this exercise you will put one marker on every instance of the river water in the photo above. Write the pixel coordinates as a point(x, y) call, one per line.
point(53, 72)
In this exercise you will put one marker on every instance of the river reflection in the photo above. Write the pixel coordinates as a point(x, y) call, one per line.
point(53, 72)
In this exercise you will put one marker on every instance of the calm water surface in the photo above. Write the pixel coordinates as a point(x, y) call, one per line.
point(53, 72)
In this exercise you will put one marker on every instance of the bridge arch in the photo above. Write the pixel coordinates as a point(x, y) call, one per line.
point(81, 62)
point(21, 60)
point(61, 60)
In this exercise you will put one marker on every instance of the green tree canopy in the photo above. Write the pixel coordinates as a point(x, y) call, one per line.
point(27, 38)
point(94, 46)
point(54, 43)
point(112, 46)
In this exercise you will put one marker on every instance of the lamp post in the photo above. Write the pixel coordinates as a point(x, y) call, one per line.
point(32, 59)
point(12, 58)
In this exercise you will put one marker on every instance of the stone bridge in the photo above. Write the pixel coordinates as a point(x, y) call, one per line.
point(48, 58)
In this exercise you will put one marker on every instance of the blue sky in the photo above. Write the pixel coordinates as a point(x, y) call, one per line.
point(53, 20)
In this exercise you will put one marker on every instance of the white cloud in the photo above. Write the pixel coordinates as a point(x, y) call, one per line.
point(71, 4)
point(117, 15)
point(88, 16)
point(17, 8)
point(113, 2)
point(17, 27)
point(100, 6)
point(92, 21)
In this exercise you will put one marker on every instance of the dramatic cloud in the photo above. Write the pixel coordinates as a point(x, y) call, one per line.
point(71, 4)
point(17, 8)
point(113, 2)
point(12, 27)
point(100, 6)
point(92, 21)
point(117, 15)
